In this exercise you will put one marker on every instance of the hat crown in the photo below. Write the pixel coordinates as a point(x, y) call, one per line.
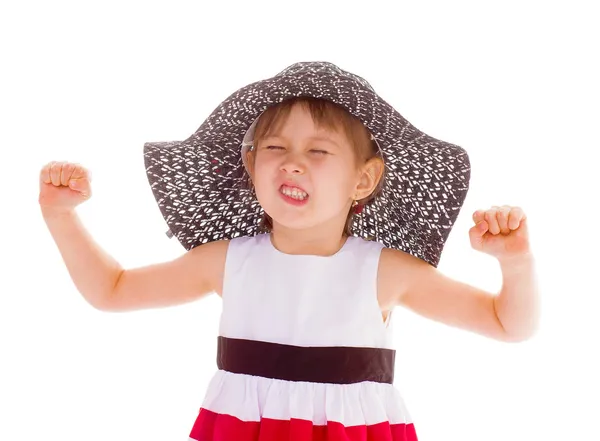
point(323, 69)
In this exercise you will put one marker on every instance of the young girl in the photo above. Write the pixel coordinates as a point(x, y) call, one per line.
point(312, 208)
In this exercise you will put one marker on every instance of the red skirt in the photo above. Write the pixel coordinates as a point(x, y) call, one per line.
point(241, 407)
point(216, 427)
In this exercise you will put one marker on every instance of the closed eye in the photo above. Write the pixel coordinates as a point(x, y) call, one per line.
point(274, 147)
point(322, 152)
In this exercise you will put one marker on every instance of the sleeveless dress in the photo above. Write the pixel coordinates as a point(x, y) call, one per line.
point(303, 351)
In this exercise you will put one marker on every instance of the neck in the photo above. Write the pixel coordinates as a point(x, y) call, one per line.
point(321, 240)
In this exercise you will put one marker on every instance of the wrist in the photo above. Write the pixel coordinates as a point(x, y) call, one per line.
point(515, 261)
point(56, 212)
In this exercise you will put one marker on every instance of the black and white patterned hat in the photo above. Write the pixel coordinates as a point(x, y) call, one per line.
point(201, 188)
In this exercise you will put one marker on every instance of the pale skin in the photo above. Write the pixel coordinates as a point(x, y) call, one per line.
point(322, 164)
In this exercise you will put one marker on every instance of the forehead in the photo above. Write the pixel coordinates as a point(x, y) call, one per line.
point(299, 122)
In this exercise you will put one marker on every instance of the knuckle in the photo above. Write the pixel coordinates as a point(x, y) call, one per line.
point(79, 168)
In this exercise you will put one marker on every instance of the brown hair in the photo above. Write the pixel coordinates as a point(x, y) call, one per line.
point(327, 115)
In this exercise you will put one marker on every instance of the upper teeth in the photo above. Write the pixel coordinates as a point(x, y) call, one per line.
point(294, 193)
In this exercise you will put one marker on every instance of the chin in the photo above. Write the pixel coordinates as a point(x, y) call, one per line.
point(290, 220)
point(296, 221)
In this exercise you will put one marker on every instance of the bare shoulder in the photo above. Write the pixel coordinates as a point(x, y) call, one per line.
point(209, 259)
point(397, 270)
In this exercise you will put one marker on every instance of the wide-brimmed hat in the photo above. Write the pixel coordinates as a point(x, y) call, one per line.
point(201, 188)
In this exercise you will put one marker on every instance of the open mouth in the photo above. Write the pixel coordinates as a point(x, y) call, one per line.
point(294, 194)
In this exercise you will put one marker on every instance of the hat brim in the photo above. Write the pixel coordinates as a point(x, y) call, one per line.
point(201, 185)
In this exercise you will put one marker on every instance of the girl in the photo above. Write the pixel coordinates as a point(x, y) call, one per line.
point(312, 208)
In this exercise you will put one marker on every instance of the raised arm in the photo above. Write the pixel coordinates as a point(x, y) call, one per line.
point(412, 283)
point(102, 281)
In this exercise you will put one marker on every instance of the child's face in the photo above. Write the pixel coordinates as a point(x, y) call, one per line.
point(305, 176)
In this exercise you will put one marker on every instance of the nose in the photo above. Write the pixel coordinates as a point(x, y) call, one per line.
point(292, 164)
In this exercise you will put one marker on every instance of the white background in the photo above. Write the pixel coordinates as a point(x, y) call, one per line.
point(515, 83)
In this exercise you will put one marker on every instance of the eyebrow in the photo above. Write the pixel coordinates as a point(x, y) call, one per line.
point(322, 138)
point(313, 138)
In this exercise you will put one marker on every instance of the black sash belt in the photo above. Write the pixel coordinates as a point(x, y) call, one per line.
point(341, 365)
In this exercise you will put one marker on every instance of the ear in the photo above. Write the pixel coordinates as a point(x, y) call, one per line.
point(249, 157)
point(370, 175)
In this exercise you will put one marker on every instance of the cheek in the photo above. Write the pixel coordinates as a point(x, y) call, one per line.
point(342, 168)
point(336, 178)
point(263, 174)
point(261, 165)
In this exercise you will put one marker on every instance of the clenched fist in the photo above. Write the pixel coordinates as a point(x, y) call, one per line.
point(63, 186)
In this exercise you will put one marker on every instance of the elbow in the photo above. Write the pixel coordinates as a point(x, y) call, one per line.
point(101, 303)
point(509, 338)
point(517, 329)
point(105, 300)
point(515, 335)
point(518, 337)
